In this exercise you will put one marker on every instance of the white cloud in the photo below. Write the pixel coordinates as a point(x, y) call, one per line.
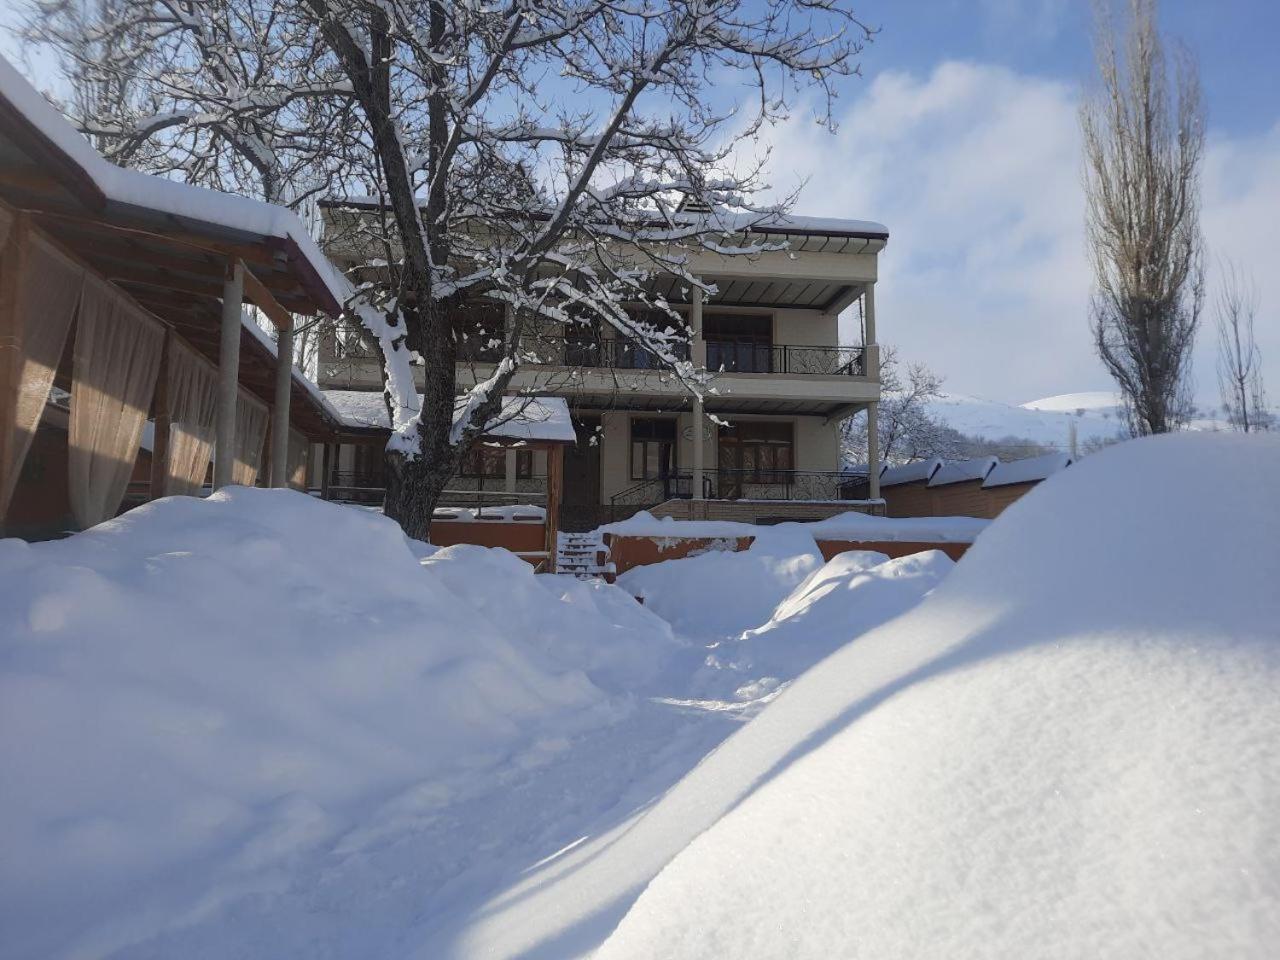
point(976, 170)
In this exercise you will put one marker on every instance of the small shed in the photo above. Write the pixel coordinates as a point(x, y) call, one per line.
point(1009, 481)
point(511, 501)
point(905, 488)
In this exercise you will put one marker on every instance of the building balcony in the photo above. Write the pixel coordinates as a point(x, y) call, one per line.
point(746, 376)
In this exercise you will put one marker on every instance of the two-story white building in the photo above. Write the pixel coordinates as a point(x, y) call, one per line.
point(763, 443)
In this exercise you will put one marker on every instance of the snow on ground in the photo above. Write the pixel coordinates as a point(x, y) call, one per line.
point(1070, 749)
point(197, 696)
point(852, 526)
point(720, 592)
point(264, 725)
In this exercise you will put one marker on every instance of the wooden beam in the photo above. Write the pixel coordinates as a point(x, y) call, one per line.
point(555, 483)
point(160, 436)
point(228, 375)
point(257, 294)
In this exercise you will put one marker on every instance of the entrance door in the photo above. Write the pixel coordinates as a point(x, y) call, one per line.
point(580, 501)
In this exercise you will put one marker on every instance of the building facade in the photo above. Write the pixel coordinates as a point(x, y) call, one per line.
point(767, 430)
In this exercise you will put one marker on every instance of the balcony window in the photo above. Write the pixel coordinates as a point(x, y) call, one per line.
point(478, 330)
point(491, 463)
point(739, 344)
point(653, 448)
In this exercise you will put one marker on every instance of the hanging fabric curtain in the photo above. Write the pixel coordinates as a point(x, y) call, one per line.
point(298, 448)
point(251, 431)
point(117, 358)
point(39, 289)
point(193, 417)
point(6, 222)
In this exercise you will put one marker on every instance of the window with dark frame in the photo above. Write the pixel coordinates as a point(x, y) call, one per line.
point(653, 448)
point(739, 343)
point(491, 462)
point(758, 451)
point(478, 329)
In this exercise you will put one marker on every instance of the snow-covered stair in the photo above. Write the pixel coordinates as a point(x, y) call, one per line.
point(583, 555)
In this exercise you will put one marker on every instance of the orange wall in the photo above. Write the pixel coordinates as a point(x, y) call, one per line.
point(626, 552)
point(516, 537)
point(891, 548)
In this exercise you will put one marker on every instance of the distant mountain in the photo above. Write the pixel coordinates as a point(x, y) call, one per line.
point(1096, 416)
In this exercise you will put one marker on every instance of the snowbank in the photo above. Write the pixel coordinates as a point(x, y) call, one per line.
point(845, 526)
point(721, 593)
point(849, 595)
point(200, 692)
point(1070, 749)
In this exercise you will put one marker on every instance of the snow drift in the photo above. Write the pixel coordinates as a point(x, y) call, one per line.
point(199, 692)
point(721, 593)
point(847, 596)
point(1071, 749)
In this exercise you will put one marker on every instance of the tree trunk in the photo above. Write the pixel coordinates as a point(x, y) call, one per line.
point(413, 489)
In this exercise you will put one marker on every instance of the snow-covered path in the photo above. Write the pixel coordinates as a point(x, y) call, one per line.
point(418, 877)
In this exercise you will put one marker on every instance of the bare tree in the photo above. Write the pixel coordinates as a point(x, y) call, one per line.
point(1142, 149)
point(1239, 364)
point(543, 155)
point(907, 430)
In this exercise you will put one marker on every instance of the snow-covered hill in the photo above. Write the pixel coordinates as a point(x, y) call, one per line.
point(1046, 422)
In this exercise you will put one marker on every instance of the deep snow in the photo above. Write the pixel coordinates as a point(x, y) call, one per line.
point(1070, 749)
point(263, 725)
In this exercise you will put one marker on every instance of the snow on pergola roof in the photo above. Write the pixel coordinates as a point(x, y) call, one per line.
point(1030, 470)
point(909, 472)
point(37, 136)
point(532, 419)
point(960, 471)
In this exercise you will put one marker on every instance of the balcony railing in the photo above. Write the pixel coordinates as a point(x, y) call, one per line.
point(749, 357)
point(727, 484)
point(353, 360)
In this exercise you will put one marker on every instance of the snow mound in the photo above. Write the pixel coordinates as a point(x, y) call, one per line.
point(721, 593)
point(198, 693)
point(852, 593)
point(1070, 749)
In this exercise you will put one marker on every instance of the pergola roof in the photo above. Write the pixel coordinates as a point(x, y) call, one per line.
point(537, 421)
point(165, 243)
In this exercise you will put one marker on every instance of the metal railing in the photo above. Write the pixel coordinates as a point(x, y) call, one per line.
point(737, 356)
point(472, 492)
point(730, 484)
point(354, 361)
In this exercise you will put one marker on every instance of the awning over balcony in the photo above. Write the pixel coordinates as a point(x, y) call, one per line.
point(540, 420)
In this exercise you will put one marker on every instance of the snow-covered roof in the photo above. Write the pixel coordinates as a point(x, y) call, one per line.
point(729, 221)
point(909, 472)
point(959, 471)
point(544, 419)
point(131, 189)
point(1028, 470)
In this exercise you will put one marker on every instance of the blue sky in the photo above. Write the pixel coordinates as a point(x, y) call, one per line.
point(962, 137)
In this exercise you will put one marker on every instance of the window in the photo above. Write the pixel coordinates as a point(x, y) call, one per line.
point(653, 449)
point(492, 462)
point(758, 451)
point(739, 344)
point(478, 329)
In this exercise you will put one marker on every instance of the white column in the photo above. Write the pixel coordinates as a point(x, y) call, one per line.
point(699, 361)
point(224, 450)
point(512, 465)
point(873, 450)
point(280, 412)
point(871, 359)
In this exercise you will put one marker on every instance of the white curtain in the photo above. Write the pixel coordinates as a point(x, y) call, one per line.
point(298, 450)
point(251, 431)
point(43, 287)
point(193, 416)
point(117, 358)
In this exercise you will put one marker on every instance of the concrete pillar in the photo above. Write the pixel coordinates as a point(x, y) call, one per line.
point(224, 448)
point(873, 450)
point(871, 359)
point(699, 415)
point(280, 412)
point(512, 466)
